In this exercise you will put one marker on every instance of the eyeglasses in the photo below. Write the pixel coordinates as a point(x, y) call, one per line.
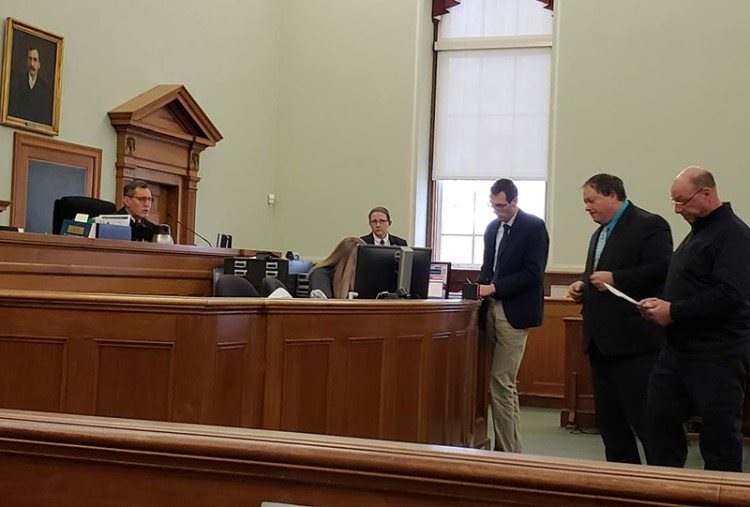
point(142, 200)
point(682, 203)
point(376, 222)
point(497, 206)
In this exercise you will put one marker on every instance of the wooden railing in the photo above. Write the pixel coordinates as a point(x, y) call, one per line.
point(65, 461)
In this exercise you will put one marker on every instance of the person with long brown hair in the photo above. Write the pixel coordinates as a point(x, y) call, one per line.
point(334, 275)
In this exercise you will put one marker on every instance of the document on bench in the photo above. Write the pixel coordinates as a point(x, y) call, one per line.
point(620, 294)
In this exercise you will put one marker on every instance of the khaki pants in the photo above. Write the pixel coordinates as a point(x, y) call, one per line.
point(507, 345)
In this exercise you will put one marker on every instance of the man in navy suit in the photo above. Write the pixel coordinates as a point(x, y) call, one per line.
point(630, 250)
point(380, 221)
point(512, 279)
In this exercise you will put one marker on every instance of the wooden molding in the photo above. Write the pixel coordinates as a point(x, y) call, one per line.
point(28, 147)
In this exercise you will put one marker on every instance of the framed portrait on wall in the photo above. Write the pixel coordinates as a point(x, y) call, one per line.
point(32, 78)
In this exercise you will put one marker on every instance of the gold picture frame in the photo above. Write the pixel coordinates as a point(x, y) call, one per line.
point(31, 55)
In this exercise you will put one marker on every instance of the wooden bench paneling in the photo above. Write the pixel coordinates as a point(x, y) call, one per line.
point(399, 370)
point(65, 461)
point(65, 263)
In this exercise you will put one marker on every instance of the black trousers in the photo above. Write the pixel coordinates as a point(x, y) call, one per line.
point(620, 390)
point(714, 389)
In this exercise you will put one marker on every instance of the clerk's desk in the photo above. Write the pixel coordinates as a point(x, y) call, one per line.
point(65, 263)
point(396, 370)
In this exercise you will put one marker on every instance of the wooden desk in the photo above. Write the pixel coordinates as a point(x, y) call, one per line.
point(64, 263)
point(75, 461)
point(379, 369)
point(541, 377)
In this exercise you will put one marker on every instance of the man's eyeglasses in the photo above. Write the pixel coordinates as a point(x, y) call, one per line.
point(142, 200)
point(682, 203)
point(376, 222)
point(497, 206)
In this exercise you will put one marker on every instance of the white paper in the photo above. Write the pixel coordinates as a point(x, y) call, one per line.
point(435, 290)
point(280, 293)
point(81, 217)
point(123, 220)
point(620, 294)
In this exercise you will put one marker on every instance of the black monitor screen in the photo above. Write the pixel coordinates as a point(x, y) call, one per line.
point(420, 272)
point(377, 270)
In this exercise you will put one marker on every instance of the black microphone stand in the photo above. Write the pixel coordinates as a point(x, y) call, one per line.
point(179, 222)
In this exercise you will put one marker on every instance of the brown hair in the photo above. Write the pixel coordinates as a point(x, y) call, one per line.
point(380, 209)
point(343, 260)
point(607, 184)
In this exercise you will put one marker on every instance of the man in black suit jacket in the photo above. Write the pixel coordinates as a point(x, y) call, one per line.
point(516, 246)
point(380, 221)
point(137, 203)
point(630, 251)
point(30, 97)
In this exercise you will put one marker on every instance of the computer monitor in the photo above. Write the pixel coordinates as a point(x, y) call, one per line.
point(70, 206)
point(378, 270)
point(420, 272)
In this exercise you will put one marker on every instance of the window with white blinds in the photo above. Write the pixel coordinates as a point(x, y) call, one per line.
point(491, 116)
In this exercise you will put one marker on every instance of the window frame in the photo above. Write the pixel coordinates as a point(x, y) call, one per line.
point(471, 44)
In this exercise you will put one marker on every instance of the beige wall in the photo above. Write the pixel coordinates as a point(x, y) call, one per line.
point(326, 104)
point(645, 88)
point(229, 62)
point(348, 114)
point(315, 99)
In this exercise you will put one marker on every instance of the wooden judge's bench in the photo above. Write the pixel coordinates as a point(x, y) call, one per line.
point(65, 263)
point(121, 329)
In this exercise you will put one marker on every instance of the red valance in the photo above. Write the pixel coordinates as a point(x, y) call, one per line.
point(549, 4)
point(440, 7)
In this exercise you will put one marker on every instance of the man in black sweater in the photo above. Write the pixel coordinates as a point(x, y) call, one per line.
point(704, 367)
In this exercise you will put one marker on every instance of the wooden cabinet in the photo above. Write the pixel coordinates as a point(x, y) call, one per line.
point(541, 378)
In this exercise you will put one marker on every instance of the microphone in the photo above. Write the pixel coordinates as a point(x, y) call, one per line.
point(179, 222)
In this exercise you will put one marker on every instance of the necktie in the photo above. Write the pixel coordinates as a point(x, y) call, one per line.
point(502, 243)
point(600, 242)
point(382, 242)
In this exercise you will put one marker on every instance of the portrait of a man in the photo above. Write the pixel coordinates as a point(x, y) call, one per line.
point(30, 95)
point(32, 78)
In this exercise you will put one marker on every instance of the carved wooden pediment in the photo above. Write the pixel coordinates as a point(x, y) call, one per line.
point(167, 110)
point(160, 136)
